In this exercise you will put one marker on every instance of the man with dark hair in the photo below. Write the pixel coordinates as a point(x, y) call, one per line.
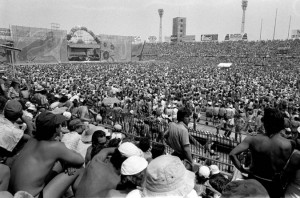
point(177, 136)
point(35, 162)
point(270, 153)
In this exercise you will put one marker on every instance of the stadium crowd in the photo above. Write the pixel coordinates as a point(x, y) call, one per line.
point(57, 130)
point(264, 53)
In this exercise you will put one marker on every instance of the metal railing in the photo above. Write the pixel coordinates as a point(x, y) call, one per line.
point(207, 148)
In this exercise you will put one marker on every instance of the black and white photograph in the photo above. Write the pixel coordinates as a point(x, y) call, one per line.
point(149, 99)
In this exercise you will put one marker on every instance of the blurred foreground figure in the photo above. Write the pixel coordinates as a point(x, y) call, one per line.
point(270, 153)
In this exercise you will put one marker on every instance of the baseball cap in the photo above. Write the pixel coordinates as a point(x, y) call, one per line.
point(47, 119)
point(12, 108)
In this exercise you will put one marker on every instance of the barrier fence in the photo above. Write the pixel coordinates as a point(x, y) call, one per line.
point(206, 147)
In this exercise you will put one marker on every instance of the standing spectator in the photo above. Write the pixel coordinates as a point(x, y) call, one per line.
point(84, 111)
point(270, 152)
point(177, 136)
point(239, 126)
point(258, 122)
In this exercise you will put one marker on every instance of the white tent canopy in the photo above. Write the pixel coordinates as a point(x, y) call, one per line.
point(225, 65)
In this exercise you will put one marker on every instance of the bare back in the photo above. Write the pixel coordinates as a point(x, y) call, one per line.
point(35, 162)
point(269, 155)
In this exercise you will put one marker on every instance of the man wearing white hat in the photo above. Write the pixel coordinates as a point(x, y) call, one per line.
point(132, 175)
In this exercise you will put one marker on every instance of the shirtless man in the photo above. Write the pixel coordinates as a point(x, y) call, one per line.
point(36, 160)
point(270, 152)
point(83, 112)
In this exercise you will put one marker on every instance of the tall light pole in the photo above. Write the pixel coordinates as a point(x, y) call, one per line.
point(275, 24)
point(289, 28)
point(160, 12)
point(244, 7)
point(261, 23)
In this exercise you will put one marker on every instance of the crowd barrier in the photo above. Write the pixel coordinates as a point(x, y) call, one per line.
point(202, 142)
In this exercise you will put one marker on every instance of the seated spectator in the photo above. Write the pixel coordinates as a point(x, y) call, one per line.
point(98, 143)
point(72, 138)
point(217, 180)
point(102, 174)
point(38, 157)
point(145, 146)
point(202, 177)
point(166, 176)
point(157, 150)
point(132, 175)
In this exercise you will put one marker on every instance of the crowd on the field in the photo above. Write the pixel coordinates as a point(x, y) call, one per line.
point(57, 130)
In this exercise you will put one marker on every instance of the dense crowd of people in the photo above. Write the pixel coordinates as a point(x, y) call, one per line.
point(264, 53)
point(58, 132)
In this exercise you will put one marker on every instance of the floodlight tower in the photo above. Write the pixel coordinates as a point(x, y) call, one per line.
point(244, 7)
point(160, 12)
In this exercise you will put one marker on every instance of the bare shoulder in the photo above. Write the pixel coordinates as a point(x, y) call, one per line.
point(56, 146)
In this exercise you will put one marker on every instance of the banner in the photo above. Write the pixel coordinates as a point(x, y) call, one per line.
point(295, 34)
point(209, 37)
point(5, 34)
point(39, 45)
point(115, 48)
point(236, 37)
point(136, 51)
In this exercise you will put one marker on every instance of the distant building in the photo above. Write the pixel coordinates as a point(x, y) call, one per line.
point(179, 26)
point(179, 31)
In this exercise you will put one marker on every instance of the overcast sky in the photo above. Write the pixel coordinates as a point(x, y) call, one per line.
point(140, 17)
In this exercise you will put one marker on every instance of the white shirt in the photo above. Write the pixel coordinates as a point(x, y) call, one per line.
point(71, 140)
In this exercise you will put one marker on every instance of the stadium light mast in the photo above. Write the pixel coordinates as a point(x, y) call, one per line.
point(160, 12)
point(244, 7)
